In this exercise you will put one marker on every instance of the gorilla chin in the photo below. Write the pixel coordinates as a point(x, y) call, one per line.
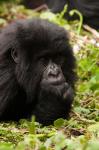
point(58, 99)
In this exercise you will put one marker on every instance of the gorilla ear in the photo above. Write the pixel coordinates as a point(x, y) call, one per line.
point(15, 55)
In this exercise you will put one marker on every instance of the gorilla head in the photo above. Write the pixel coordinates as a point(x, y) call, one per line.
point(36, 71)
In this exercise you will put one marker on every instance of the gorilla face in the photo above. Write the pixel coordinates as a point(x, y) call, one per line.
point(37, 73)
point(53, 79)
point(55, 93)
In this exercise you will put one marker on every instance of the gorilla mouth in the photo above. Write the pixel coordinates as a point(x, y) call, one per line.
point(54, 81)
point(57, 86)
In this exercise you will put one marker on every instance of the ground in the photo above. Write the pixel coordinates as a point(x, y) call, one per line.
point(81, 132)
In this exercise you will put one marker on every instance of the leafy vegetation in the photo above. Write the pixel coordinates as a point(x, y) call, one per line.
point(81, 131)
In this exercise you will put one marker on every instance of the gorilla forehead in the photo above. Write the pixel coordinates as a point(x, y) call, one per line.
point(40, 35)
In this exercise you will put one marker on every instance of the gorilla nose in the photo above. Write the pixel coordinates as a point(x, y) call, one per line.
point(53, 71)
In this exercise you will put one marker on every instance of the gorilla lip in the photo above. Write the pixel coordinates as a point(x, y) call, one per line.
point(57, 81)
point(54, 81)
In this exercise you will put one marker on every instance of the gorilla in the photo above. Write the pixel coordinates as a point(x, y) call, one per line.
point(37, 71)
point(88, 8)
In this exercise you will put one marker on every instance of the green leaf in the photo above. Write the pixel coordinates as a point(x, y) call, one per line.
point(59, 123)
point(94, 128)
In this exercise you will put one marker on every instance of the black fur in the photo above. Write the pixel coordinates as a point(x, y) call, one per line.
point(20, 90)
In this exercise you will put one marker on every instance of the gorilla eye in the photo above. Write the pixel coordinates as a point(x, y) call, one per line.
point(59, 60)
point(43, 60)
